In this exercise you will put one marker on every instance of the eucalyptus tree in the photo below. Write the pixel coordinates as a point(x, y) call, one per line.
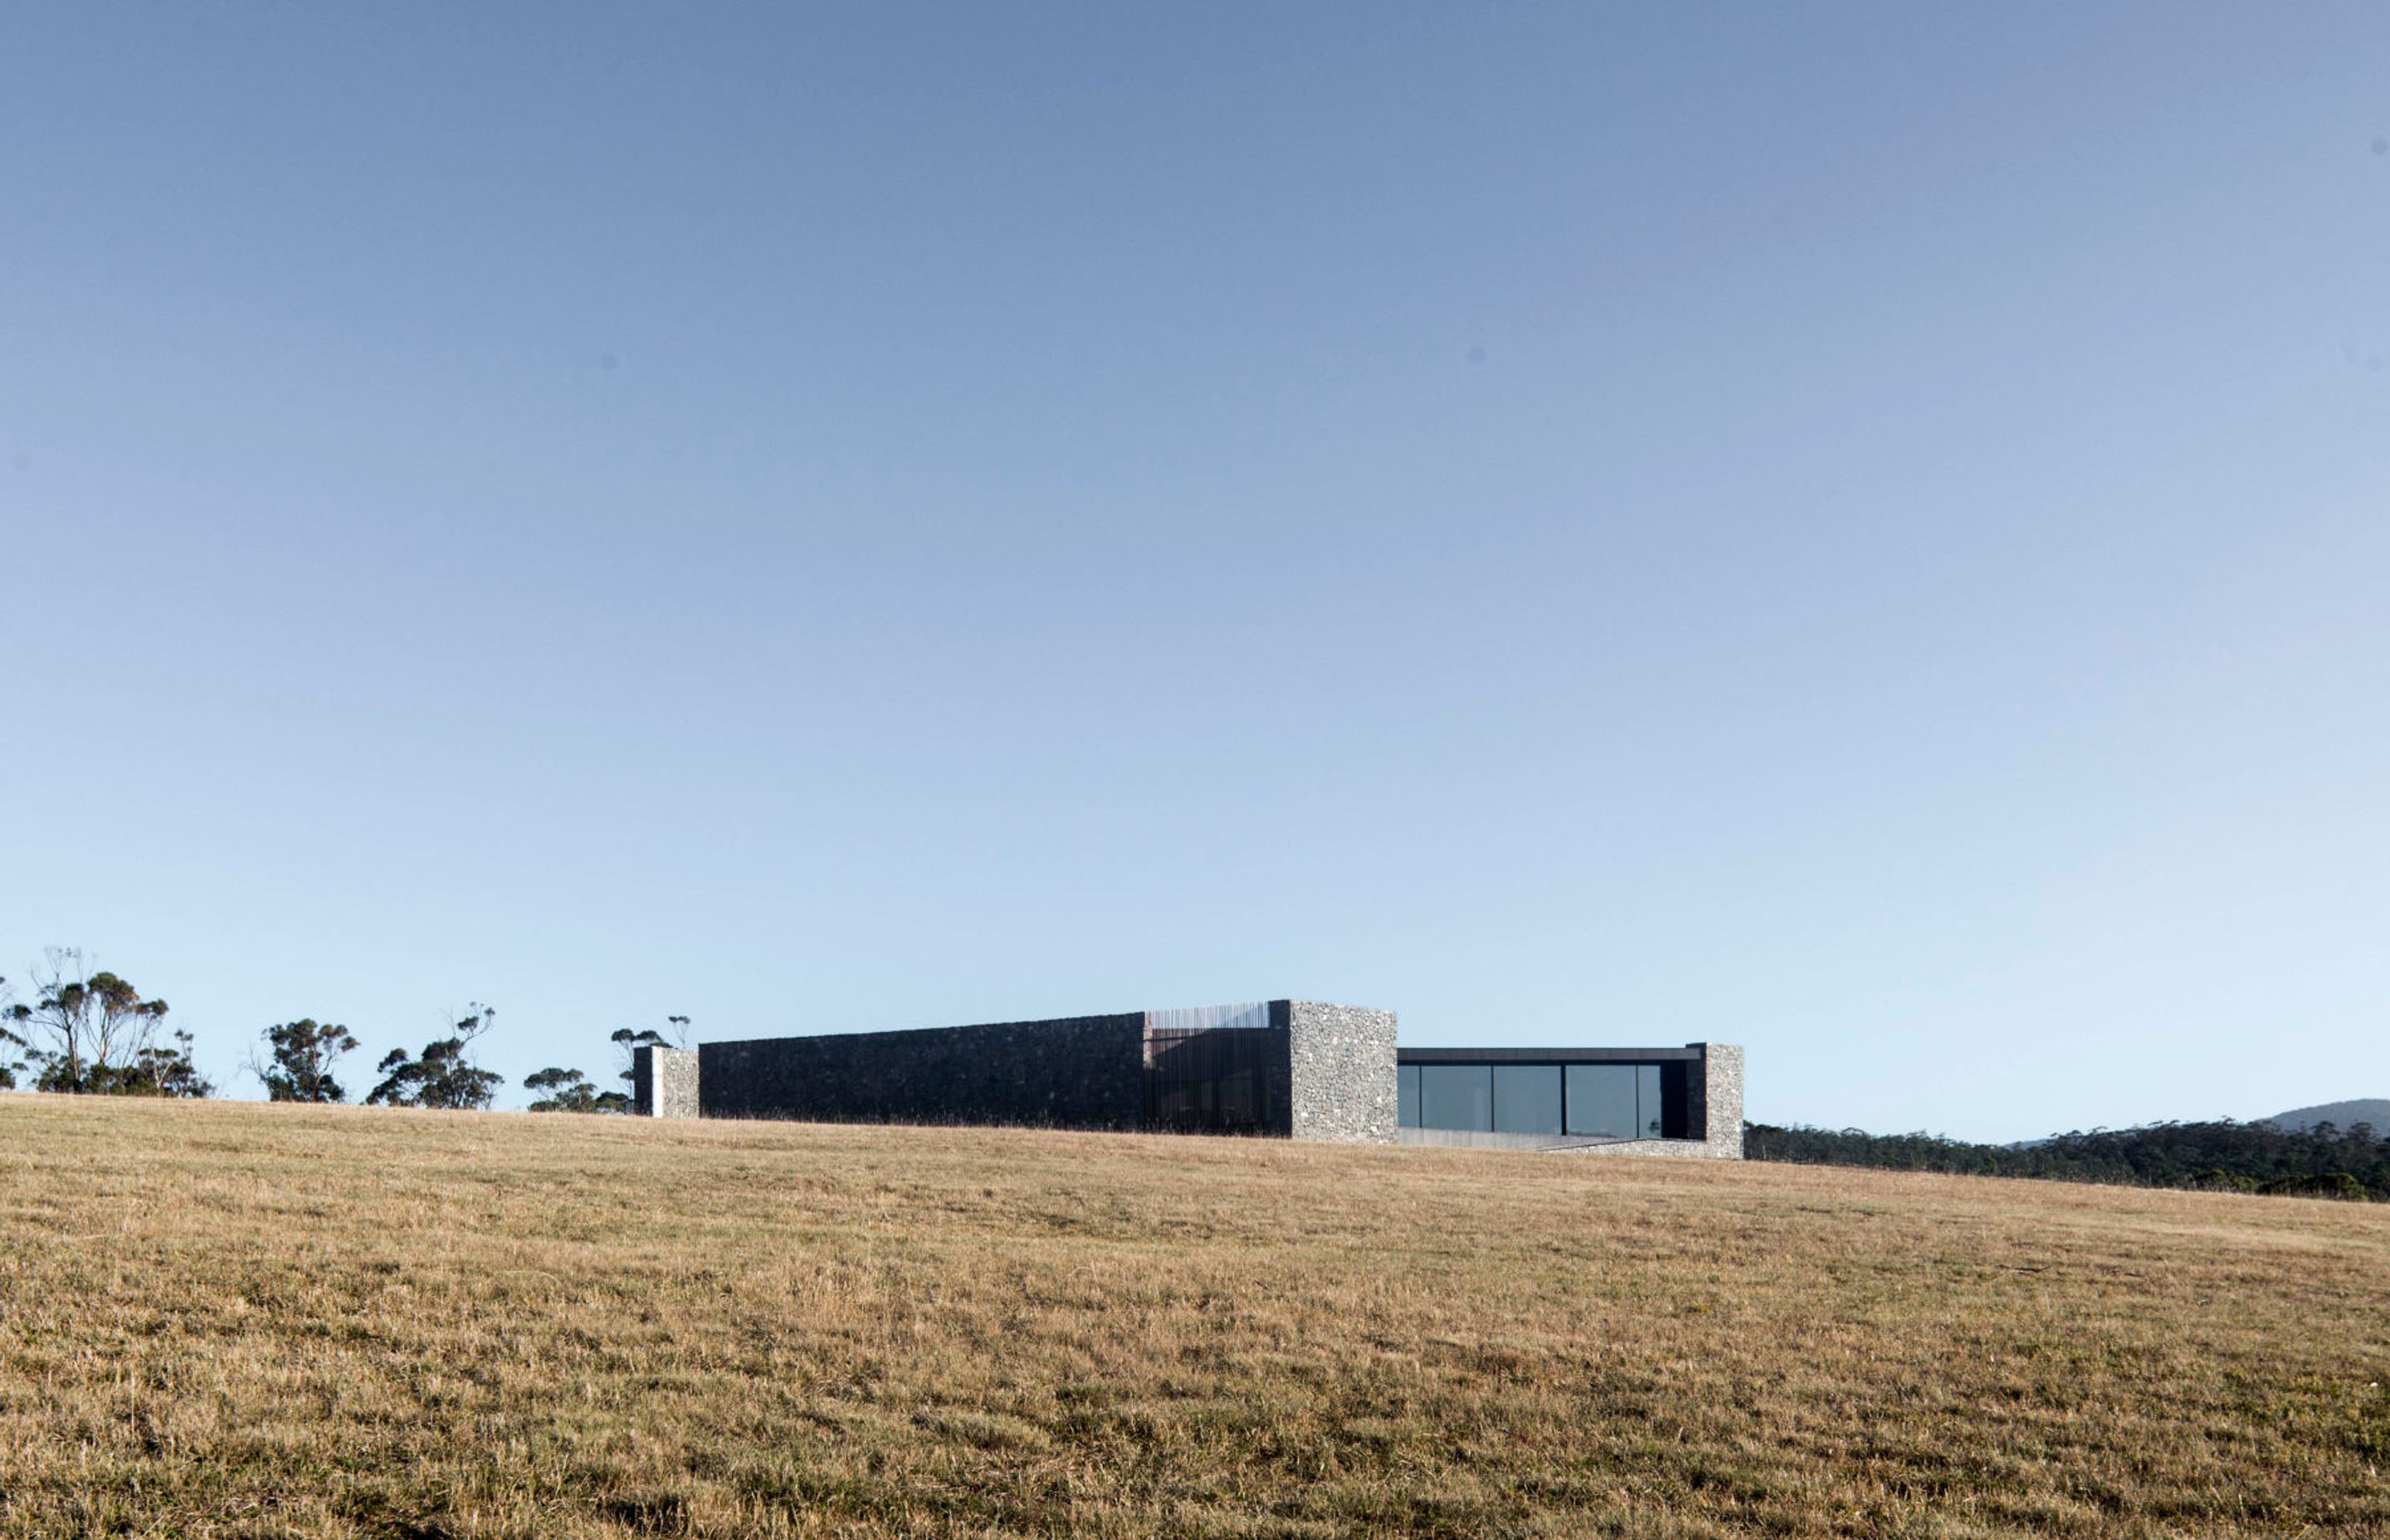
point(628, 1041)
point(571, 1091)
point(303, 1053)
point(443, 1075)
point(9, 1039)
point(93, 1032)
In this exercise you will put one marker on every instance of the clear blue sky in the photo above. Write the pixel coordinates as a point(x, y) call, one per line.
point(1863, 531)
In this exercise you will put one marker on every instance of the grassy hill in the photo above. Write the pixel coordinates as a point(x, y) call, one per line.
point(2373, 1111)
point(239, 1319)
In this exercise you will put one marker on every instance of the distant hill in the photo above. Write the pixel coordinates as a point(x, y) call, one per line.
point(2340, 1114)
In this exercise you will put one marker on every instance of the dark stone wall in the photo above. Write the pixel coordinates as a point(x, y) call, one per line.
point(1081, 1072)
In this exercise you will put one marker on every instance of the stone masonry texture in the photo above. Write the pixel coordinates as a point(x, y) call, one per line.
point(1722, 1074)
point(1341, 1076)
point(664, 1083)
point(1084, 1071)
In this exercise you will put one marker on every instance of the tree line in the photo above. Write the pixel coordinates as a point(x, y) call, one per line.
point(88, 1032)
point(2222, 1155)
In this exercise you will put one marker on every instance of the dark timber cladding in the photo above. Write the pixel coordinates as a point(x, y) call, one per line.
point(1291, 1068)
point(1080, 1071)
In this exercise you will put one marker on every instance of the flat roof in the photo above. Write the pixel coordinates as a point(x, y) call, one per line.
point(1548, 1056)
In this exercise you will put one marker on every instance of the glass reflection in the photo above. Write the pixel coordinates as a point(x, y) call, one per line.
point(1601, 1100)
point(1457, 1095)
point(1527, 1098)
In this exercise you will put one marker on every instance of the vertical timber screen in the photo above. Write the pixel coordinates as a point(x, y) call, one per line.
point(1215, 1069)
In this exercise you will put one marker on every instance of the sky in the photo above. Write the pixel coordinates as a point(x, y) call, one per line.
point(1859, 531)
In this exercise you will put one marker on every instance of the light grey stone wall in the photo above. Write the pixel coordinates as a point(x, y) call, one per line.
point(664, 1083)
point(1341, 1072)
point(1658, 1150)
point(1722, 1081)
point(1479, 1138)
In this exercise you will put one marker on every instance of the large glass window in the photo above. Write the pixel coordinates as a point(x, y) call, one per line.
point(1601, 1100)
point(1457, 1095)
point(1609, 1101)
point(1527, 1098)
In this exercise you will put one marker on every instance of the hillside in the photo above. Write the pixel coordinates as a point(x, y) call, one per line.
point(244, 1320)
point(2373, 1111)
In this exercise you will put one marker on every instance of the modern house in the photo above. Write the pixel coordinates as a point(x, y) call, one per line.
point(1295, 1069)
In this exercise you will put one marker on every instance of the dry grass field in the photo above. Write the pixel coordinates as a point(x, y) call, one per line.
point(228, 1319)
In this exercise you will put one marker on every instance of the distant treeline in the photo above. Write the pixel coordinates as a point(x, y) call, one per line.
point(2322, 1162)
